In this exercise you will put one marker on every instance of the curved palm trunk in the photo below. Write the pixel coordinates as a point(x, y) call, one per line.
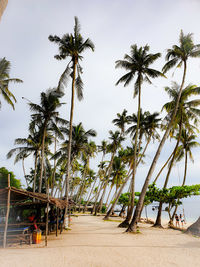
point(94, 210)
point(185, 171)
point(184, 179)
point(133, 225)
point(24, 172)
point(111, 187)
point(158, 219)
point(148, 141)
point(83, 186)
point(35, 172)
point(93, 187)
point(116, 199)
point(155, 180)
point(70, 137)
point(109, 170)
point(88, 200)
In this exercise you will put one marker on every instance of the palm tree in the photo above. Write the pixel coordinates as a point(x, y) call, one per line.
point(184, 150)
point(5, 81)
point(72, 46)
point(46, 118)
point(137, 64)
point(176, 56)
point(121, 120)
point(187, 112)
point(30, 145)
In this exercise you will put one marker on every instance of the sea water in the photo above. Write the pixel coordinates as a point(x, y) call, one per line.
point(190, 209)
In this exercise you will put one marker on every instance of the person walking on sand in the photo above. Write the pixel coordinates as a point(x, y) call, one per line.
point(177, 221)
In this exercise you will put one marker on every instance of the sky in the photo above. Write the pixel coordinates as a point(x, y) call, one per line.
point(113, 26)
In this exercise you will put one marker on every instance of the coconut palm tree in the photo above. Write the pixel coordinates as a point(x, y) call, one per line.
point(46, 118)
point(5, 81)
point(30, 145)
point(121, 121)
point(137, 64)
point(176, 56)
point(72, 46)
point(187, 114)
point(188, 142)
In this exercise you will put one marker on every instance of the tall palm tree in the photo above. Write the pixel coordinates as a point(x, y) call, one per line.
point(5, 81)
point(186, 114)
point(137, 64)
point(72, 46)
point(176, 56)
point(46, 118)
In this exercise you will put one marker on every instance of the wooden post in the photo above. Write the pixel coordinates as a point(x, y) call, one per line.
point(47, 217)
point(7, 213)
point(57, 221)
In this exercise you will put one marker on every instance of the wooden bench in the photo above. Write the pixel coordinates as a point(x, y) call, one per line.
point(17, 235)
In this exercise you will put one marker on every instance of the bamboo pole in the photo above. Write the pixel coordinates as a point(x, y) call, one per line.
point(7, 213)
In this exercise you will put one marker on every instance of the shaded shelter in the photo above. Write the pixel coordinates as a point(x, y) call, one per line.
point(22, 199)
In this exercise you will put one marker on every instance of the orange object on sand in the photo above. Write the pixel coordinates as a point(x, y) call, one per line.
point(37, 237)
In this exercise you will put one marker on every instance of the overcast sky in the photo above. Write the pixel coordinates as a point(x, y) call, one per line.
point(113, 26)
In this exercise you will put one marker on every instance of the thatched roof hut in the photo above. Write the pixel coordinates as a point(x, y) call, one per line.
point(194, 229)
point(19, 196)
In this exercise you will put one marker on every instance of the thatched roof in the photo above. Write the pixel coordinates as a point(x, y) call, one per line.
point(18, 196)
point(194, 229)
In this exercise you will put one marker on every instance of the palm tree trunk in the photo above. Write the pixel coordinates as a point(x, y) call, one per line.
point(96, 199)
point(148, 141)
point(88, 200)
point(155, 180)
point(83, 185)
point(35, 172)
point(133, 225)
point(54, 167)
point(70, 137)
point(116, 199)
point(158, 219)
point(185, 171)
point(42, 157)
point(111, 187)
point(24, 172)
point(109, 170)
point(130, 212)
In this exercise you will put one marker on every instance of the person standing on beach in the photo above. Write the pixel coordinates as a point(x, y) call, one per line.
point(177, 220)
point(182, 220)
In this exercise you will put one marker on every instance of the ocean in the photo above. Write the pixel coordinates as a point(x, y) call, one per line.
point(190, 209)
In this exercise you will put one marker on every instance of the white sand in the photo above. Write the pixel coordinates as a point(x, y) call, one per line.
point(95, 243)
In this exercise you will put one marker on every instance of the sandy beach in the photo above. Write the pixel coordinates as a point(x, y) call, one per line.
point(93, 242)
